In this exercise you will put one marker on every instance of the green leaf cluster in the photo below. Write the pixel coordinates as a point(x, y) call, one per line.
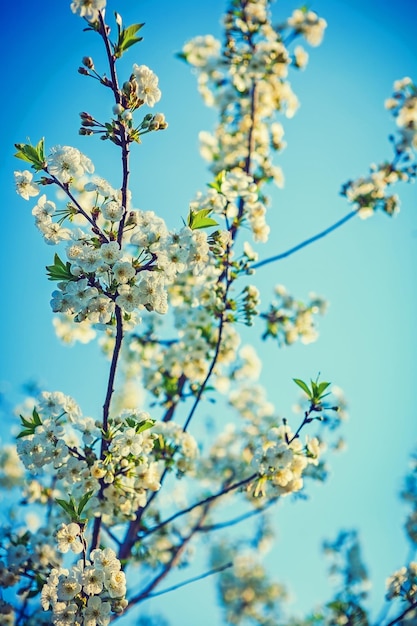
point(59, 270)
point(140, 426)
point(35, 155)
point(316, 391)
point(29, 426)
point(218, 181)
point(200, 219)
point(73, 509)
point(126, 37)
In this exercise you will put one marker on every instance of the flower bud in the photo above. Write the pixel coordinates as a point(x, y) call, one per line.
point(118, 109)
point(88, 62)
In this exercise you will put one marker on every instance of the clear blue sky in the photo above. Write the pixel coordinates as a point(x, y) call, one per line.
point(368, 339)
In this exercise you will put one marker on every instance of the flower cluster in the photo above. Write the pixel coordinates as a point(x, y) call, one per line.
point(89, 9)
point(86, 593)
point(246, 81)
point(244, 589)
point(309, 24)
point(100, 273)
point(288, 320)
point(26, 559)
point(370, 193)
point(117, 484)
point(403, 105)
point(281, 460)
point(403, 583)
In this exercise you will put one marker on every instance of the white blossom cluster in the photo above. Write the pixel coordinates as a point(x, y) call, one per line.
point(236, 197)
point(119, 482)
point(247, 82)
point(281, 460)
point(309, 24)
point(87, 593)
point(289, 320)
point(89, 9)
point(371, 193)
point(26, 556)
point(403, 105)
point(101, 273)
point(245, 590)
point(403, 583)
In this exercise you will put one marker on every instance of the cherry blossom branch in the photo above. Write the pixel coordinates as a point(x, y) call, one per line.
point(145, 594)
point(207, 500)
point(65, 189)
point(210, 572)
point(403, 614)
point(106, 409)
point(238, 519)
point(306, 242)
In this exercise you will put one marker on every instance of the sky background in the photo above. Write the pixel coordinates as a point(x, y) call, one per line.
point(366, 270)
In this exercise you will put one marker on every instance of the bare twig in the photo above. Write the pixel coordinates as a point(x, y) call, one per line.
point(210, 572)
point(306, 242)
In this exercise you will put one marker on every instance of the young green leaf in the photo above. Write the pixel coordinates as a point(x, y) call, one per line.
point(199, 219)
point(32, 154)
point(127, 39)
point(145, 425)
point(59, 271)
point(303, 386)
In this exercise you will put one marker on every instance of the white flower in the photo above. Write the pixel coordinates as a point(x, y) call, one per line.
point(66, 163)
point(24, 185)
point(68, 537)
point(146, 85)
point(200, 49)
point(110, 252)
point(115, 582)
point(123, 271)
point(88, 8)
point(92, 580)
point(68, 587)
point(97, 612)
point(112, 211)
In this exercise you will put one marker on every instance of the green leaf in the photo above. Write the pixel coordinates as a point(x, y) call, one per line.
point(84, 501)
point(24, 433)
point(36, 418)
point(145, 425)
point(303, 386)
point(199, 219)
point(218, 181)
point(59, 271)
point(68, 507)
point(127, 39)
point(32, 154)
point(322, 387)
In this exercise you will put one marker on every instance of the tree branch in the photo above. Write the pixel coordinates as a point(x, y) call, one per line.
point(214, 496)
point(403, 614)
point(191, 580)
point(305, 243)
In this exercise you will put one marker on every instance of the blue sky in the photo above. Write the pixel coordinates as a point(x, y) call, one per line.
point(366, 270)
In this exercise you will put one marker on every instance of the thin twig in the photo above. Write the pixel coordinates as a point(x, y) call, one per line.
point(238, 519)
point(214, 496)
point(306, 242)
point(210, 572)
